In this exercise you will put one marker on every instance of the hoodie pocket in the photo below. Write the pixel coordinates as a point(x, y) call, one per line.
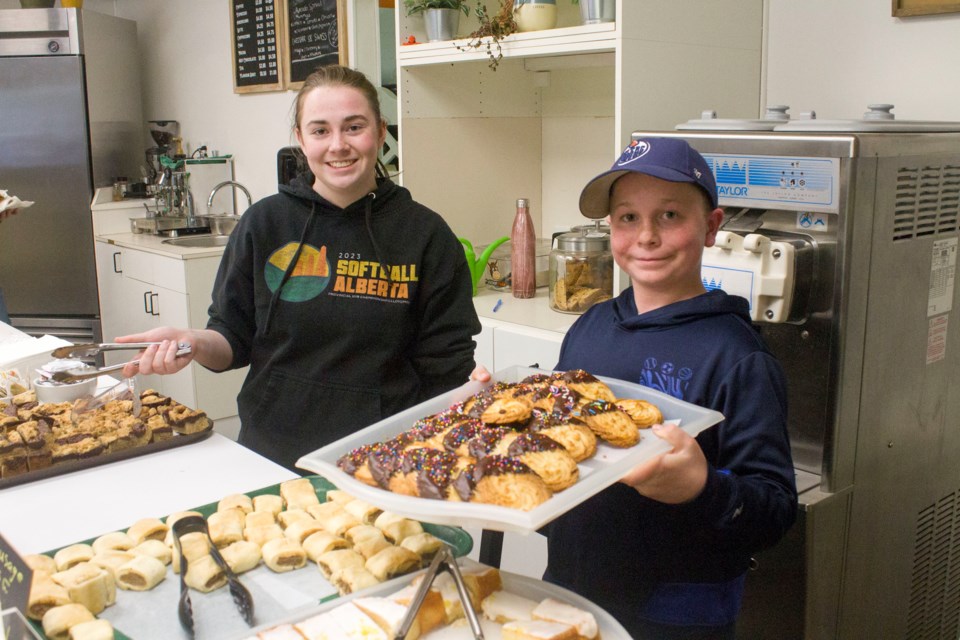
point(293, 415)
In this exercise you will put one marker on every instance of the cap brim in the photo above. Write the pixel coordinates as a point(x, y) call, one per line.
point(595, 197)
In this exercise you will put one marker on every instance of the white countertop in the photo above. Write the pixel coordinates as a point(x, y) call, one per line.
point(51, 513)
point(530, 312)
point(154, 244)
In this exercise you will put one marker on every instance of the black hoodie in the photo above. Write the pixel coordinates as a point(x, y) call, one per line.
point(376, 316)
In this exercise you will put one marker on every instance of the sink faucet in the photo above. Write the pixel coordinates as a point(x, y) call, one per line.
point(233, 183)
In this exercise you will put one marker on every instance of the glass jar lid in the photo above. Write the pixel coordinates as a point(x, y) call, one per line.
point(585, 241)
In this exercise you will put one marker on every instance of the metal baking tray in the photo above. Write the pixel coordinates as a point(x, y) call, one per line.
point(152, 615)
point(606, 467)
point(177, 440)
point(530, 588)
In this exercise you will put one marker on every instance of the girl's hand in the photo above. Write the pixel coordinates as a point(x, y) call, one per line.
point(480, 374)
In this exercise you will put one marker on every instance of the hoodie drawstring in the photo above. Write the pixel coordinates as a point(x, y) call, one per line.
point(368, 220)
point(290, 267)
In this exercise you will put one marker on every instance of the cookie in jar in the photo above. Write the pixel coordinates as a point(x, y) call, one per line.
point(581, 270)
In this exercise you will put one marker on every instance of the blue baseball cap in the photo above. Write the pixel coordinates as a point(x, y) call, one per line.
point(665, 158)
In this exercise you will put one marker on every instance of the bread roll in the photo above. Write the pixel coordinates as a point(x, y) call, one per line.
point(58, 620)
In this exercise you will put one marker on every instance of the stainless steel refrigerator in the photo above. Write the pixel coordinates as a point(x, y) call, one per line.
point(70, 120)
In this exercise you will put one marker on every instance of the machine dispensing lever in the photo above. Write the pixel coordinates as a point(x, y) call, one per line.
point(754, 267)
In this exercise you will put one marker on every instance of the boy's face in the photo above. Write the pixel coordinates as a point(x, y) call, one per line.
point(658, 232)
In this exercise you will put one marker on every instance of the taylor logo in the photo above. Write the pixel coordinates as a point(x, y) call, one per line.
point(308, 279)
point(634, 151)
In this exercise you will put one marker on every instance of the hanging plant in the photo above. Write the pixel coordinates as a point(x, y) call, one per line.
point(491, 31)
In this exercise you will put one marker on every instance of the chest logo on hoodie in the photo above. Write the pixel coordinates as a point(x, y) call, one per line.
point(666, 377)
point(308, 279)
point(373, 280)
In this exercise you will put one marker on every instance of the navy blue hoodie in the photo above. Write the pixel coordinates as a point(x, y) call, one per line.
point(682, 564)
point(374, 315)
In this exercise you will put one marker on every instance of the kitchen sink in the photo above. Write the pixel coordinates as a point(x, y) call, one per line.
point(198, 241)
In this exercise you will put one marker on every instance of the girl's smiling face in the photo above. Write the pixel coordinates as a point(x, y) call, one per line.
point(658, 232)
point(341, 137)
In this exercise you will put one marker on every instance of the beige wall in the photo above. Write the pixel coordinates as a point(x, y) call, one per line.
point(829, 56)
point(837, 56)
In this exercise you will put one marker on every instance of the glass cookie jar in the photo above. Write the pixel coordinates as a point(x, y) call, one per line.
point(581, 269)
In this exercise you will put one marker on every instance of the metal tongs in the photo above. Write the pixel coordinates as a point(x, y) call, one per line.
point(241, 597)
point(444, 560)
point(88, 351)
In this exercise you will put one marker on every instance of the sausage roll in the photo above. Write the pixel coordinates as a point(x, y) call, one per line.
point(45, 594)
point(141, 574)
point(268, 502)
point(118, 540)
point(58, 620)
point(236, 501)
point(338, 560)
point(299, 493)
point(147, 529)
point(241, 556)
point(317, 544)
point(283, 554)
point(391, 562)
point(71, 555)
point(205, 575)
point(92, 630)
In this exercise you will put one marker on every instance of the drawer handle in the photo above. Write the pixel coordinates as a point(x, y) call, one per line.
point(150, 303)
point(115, 268)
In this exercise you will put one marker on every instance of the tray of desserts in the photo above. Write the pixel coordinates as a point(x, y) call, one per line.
point(43, 439)
point(509, 455)
point(506, 605)
point(291, 546)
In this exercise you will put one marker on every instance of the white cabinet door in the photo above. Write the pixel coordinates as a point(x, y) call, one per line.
point(483, 355)
point(516, 345)
point(110, 283)
point(147, 306)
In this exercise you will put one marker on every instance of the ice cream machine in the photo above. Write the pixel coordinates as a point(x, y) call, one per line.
point(843, 236)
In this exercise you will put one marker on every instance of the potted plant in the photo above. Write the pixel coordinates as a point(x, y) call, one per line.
point(440, 17)
point(492, 29)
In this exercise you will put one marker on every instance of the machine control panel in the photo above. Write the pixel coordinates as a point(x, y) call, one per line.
point(753, 267)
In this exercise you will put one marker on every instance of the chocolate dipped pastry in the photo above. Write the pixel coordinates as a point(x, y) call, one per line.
point(498, 405)
point(558, 399)
point(486, 441)
point(586, 384)
point(572, 433)
point(610, 422)
point(426, 473)
point(547, 458)
point(502, 481)
point(456, 438)
point(644, 414)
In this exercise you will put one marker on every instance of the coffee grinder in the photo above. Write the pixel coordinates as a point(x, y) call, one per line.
point(164, 134)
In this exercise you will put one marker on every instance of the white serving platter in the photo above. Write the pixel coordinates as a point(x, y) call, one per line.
point(605, 468)
point(530, 588)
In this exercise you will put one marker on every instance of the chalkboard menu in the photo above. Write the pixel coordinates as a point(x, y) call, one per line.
point(315, 36)
point(256, 47)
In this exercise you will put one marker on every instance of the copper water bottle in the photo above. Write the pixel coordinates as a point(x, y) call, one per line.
point(523, 252)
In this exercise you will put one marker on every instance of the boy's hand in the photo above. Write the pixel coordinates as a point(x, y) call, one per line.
point(674, 477)
point(480, 374)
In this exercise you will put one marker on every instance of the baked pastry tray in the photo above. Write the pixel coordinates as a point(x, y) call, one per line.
point(152, 615)
point(176, 440)
point(519, 585)
point(606, 467)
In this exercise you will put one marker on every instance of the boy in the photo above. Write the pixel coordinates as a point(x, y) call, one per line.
point(666, 550)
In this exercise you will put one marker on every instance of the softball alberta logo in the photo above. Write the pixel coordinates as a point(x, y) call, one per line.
point(309, 278)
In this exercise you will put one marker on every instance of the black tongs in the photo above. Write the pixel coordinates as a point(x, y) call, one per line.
point(443, 561)
point(241, 597)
